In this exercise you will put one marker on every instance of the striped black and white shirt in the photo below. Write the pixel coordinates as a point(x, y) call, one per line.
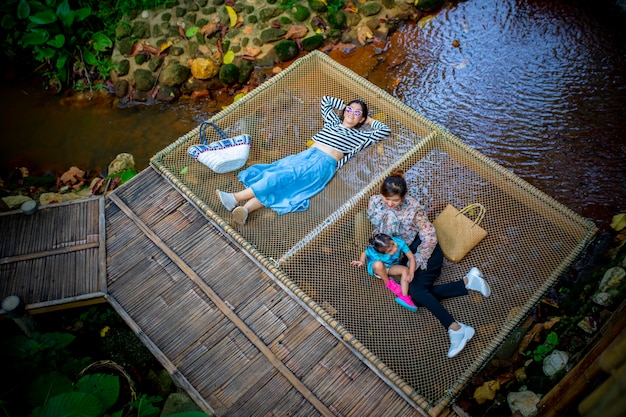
point(346, 140)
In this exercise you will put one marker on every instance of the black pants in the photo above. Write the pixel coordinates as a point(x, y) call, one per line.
point(423, 291)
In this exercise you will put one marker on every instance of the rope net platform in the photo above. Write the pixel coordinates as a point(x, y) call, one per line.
point(531, 238)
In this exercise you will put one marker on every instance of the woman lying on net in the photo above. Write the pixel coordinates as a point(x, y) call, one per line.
point(288, 184)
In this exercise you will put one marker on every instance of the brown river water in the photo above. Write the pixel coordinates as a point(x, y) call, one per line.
point(538, 86)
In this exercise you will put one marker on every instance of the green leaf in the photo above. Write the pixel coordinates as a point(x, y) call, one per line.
point(90, 58)
point(61, 62)
point(43, 18)
point(82, 14)
point(23, 9)
point(35, 37)
point(105, 387)
point(184, 170)
point(8, 22)
point(48, 385)
point(191, 32)
point(70, 404)
point(43, 52)
point(57, 42)
point(66, 15)
point(101, 42)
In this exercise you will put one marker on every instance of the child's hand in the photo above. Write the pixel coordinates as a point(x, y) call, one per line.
point(356, 263)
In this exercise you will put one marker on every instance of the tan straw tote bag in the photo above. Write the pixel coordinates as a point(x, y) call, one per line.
point(457, 233)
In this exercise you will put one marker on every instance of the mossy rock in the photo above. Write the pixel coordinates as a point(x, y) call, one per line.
point(122, 31)
point(428, 5)
point(125, 46)
point(141, 30)
point(300, 13)
point(317, 6)
point(286, 50)
point(369, 9)
point(229, 74)
point(245, 69)
point(144, 80)
point(123, 67)
point(140, 59)
point(337, 20)
point(312, 42)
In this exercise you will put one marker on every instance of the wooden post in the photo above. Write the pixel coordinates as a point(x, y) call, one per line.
point(15, 309)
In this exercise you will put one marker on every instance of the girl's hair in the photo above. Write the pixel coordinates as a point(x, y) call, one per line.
point(394, 184)
point(380, 242)
point(363, 111)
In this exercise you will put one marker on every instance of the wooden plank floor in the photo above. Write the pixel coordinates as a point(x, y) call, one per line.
point(54, 257)
point(230, 335)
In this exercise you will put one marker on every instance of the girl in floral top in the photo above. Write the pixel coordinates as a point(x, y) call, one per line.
point(396, 213)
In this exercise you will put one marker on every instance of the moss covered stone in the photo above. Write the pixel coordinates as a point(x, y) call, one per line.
point(229, 74)
point(165, 17)
point(125, 46)
point(174, 74)
point(369, 9)
point(286, 50)
point(252, 19)
point(141, 29)
point(155, 63)
point(337, 20)
point(123, 67)
point(144, 80)
point(269, 12)
point(285, 20)
point(140, 59)
point(272, 34)
point(156, 31)
point(317, 6)
point(312, 42)
point(122, 31)
point(245, 69)
point(180, 11)
point(300, 13)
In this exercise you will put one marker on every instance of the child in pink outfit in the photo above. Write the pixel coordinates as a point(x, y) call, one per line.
point(383, 257)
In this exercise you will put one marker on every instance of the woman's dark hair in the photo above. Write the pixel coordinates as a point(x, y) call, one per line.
point(364, 111)
point(394, 184)
point(380, 242)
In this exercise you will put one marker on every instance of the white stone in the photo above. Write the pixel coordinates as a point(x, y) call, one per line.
point(613, 278)
point(525, 402)
point(554, 362)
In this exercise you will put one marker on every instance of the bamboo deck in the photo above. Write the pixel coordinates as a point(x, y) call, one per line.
point(230, 335)
point(55, 257)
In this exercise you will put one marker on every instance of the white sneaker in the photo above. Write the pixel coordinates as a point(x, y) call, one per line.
point(240, 215)
point(476, 282)
point(459, 338)
point(228, 200)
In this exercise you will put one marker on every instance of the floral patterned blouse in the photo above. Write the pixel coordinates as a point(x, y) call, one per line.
point(405, 221)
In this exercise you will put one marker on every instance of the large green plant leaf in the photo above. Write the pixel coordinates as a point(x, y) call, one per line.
point(90, 58)
point(35, 37)
point(101, 42)
point(23, 9)
point(58, 41)
point(82, 14)
point(105, 387)
point(43, 18)
point(47, 386)
point(65, 14)
point(70, 404)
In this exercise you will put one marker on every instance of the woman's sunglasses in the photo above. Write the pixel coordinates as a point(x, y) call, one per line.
point(357, 113)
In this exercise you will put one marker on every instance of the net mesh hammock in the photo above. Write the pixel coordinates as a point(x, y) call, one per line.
point(531, 239)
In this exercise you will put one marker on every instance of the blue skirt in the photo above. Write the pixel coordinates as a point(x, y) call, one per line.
point(287, 185)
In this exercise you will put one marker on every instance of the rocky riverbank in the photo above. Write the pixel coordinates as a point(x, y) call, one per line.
point(202, 47)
